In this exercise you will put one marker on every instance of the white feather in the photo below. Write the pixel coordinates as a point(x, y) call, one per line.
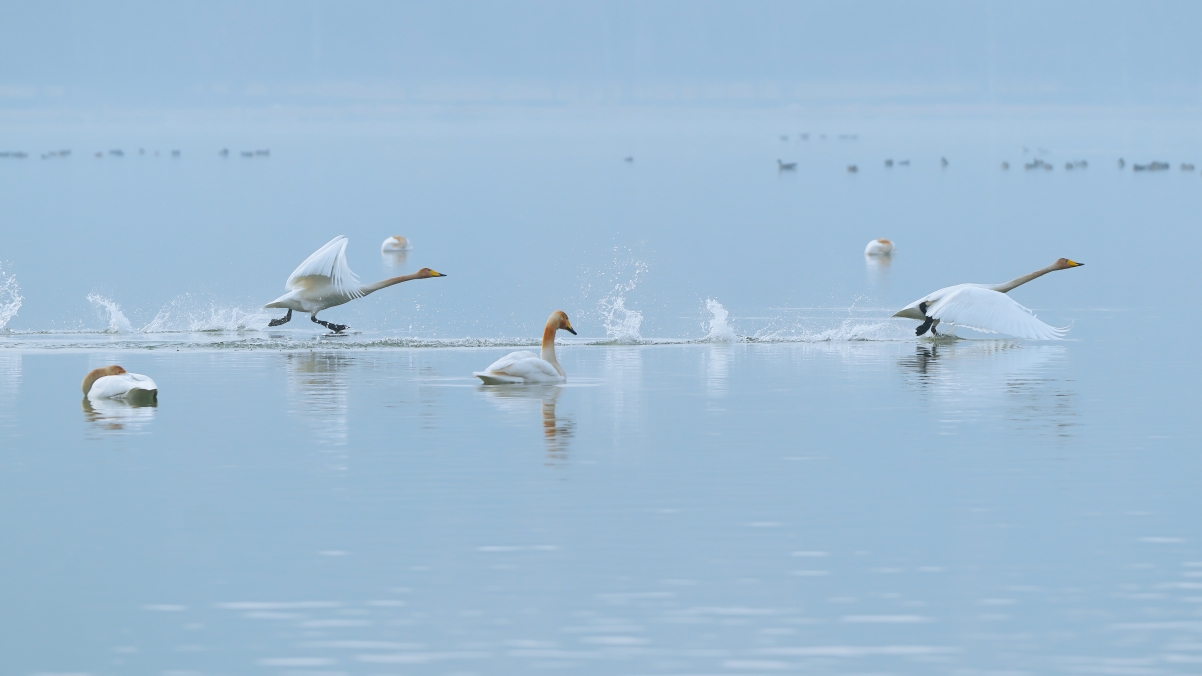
point(120, 386)
point(990, 311)
point(326, 267)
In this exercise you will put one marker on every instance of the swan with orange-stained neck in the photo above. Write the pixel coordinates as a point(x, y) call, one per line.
point(525, 367)
point(324, 280)
point(114, 382)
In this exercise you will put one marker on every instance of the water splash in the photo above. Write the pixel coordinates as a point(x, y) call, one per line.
point(118, 323)
point(720, 331)
point(187, 314)
point(10, 297)
point(621, 323)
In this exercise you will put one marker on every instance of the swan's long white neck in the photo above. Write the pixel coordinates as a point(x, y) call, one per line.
point(548, 351)
point(1019, 281)
point(371, 288)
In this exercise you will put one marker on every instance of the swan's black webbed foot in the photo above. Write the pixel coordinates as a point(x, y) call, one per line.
point(336, 328)
point(927, 325)
point(282, 320)
point(934, 332)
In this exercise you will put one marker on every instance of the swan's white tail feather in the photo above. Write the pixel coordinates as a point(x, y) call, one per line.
point(497, 379)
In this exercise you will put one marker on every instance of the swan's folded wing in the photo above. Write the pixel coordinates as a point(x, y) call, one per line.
point(327, 265)
point(992, 312)
point(500, 364)
point(530, 370)
point(121, 385)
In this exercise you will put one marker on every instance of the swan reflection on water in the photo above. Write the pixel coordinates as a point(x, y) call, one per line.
point(521, 400)
point(980, 378)
point(319, 392)
point(116, 415)
point(394, 259)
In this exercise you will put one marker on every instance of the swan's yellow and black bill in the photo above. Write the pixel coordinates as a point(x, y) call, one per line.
point(570, 329)
point(1074, 264)
point(435, 273)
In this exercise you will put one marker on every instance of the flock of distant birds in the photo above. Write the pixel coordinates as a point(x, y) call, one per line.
point(1036, 163)
point(117, 152)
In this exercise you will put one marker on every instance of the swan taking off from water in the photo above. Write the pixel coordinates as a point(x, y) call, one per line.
point(324, 280)
point(879, 247)
point(395, 243)
point(984, 307)
point(114, 382)
point(518, 368)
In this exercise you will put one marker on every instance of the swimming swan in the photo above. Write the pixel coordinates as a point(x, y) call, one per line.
point(324, 280)
point(114, 382)
point(878, 247)
point(395, 243)
point(984, 307)
point(517, 368)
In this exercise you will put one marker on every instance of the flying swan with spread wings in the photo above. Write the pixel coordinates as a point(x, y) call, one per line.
point(324, 281)
point(985, 307)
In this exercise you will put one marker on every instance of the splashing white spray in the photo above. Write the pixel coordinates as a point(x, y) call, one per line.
point(720, 331)
point(10, 297)
point(188, 314)
point(118, 323)
point(622, 324)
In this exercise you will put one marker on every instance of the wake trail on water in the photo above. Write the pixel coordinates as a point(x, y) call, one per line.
point(10, 297)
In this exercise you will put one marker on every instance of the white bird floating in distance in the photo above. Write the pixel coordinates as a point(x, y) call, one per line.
point(324, 280)
point(518, 368)
point(985, 307)
point(395, 243)
point(879, 247)
point(114, 382)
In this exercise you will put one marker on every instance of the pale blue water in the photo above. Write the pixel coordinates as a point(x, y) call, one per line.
point(833, 496)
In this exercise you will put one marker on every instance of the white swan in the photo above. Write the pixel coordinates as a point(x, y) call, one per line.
point(114, 382)
point(324, 280)
point(984, 307)
point(395, 243)
point(879, 247)
point(517, 368)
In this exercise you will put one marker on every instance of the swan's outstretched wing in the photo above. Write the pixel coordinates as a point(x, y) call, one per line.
point(326, 266)
point(992, 312)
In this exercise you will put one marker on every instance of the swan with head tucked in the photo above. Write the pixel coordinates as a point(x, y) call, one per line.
point(879, 247)
point(324, 280)
point(114, 382)
point(395, 243)
point(517, 368)
point(985, 307)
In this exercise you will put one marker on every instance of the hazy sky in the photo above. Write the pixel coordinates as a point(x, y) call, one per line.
point(189, 54)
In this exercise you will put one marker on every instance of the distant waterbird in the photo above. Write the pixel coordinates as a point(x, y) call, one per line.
point(1186, 166)
point(525, 367)
point(324, 280)
point(114, 382)
point(879, 247)
point(1005, 166)
point(943, 161)
point(984, 307)
point(851, 168)
point(394, 244)
point(785, 166)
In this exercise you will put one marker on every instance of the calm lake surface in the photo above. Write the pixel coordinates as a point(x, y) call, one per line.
point(751, 468)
